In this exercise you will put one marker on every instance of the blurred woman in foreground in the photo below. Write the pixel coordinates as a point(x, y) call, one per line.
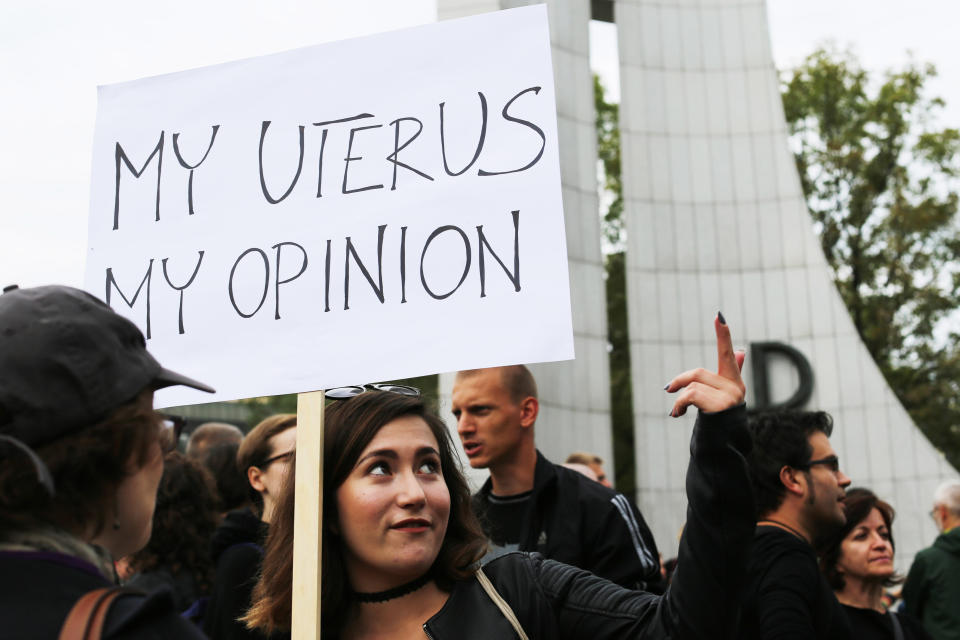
point(81, 456)
point(401, 545)
point(858, 564)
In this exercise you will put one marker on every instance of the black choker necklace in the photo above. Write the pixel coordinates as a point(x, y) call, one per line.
point(396, 592)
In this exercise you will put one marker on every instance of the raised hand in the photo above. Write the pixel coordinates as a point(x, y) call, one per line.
point(706, 390)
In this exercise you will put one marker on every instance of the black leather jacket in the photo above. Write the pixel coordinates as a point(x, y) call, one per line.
point(557, 601)
point(578, 521)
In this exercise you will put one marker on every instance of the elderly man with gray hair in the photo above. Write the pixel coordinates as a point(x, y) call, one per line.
point(932, 591)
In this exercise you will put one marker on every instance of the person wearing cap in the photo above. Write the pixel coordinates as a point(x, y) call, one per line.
point(81, 456)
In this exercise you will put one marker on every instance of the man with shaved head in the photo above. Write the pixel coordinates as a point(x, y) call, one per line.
point(211, 434)
point(215, 445)
point(531, 504)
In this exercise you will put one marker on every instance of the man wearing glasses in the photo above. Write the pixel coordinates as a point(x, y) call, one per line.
point(798, 486)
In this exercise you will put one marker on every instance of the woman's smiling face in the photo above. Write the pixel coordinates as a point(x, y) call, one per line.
point(393, 508)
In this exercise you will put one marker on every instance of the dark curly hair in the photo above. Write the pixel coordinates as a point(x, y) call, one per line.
point(349, 426)
point(780, 438)
point(857, 504)
point(183, 523)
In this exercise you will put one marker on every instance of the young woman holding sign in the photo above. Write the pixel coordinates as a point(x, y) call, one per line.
point(401, 545)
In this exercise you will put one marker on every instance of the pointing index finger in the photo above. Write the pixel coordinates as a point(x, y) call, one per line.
point(726, 359)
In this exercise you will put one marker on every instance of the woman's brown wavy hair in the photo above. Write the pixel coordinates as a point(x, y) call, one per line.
point(349, 426)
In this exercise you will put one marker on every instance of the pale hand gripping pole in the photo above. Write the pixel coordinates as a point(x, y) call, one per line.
point(308, 517)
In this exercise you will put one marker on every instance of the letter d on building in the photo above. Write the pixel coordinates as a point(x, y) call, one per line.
point(760, 353)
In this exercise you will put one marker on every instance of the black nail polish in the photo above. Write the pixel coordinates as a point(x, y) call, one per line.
point(666, 386)
point(722, 319)
point(671, 413)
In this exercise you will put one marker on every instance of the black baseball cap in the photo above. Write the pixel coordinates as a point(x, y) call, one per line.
point(67, 360)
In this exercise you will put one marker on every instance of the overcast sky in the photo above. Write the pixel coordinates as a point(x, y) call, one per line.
point(53, 55)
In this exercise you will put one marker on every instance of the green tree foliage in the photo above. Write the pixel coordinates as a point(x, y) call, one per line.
point(614, 235)
point(621, 391)
point(608, 151)
point(880, 180)
point(265, 406)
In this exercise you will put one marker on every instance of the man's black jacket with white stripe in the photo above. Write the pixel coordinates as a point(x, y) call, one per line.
point(578, 521)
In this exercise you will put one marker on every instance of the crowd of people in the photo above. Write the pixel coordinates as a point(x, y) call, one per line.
point(107, 529)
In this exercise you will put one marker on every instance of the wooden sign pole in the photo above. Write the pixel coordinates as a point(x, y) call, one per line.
point(308, 517)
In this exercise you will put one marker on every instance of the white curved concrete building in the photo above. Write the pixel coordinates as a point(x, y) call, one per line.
point(716, 220)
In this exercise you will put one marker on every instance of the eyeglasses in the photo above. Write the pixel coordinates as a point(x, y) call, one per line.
point(830, 462)
point(345, 393)
point(170, 429)
point(280, 456)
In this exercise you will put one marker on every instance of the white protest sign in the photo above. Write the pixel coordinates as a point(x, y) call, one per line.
point(363, 210)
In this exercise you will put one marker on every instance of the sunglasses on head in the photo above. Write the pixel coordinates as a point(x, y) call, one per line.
point(345, 393)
